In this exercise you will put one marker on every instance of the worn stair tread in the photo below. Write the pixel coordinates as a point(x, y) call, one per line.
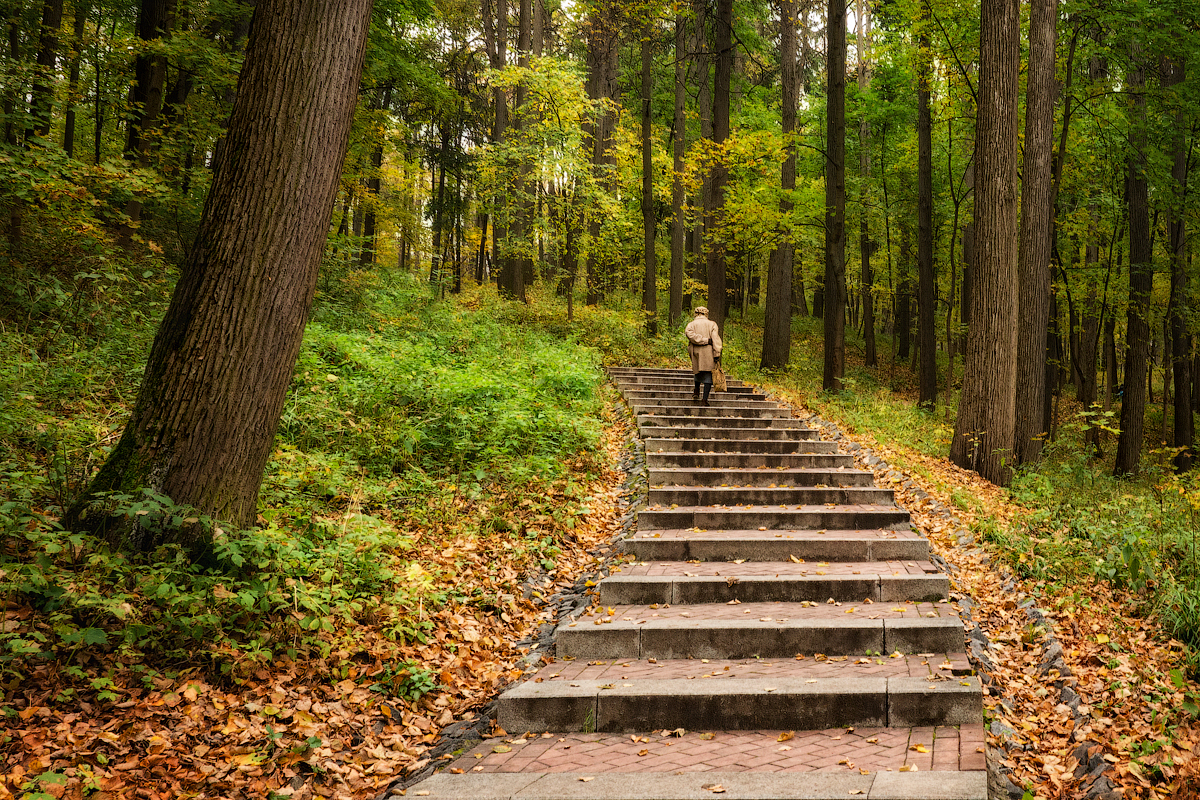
point(777, 545)
point(789, 517)
point(726, 569)
point(688, 422)
point(945, 666)
point(672, 496)
point(759, 630)
point(751, 434)
point(788, 476)
point(677, 782)
point(766, 461)
point(697, 445)
point(792, 702)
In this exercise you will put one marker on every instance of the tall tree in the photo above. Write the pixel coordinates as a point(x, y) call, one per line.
point(1141, 280)
point(1037, 215)
point(862, 13)
point(722, 78)
point(1183, 428)
point(603, 27)
point(649, 282)
point(835, 199)
point(983, 432)
point(777, 327)
point(678, 126)
point(47, 60)
point(213, 390)
point(926, 280)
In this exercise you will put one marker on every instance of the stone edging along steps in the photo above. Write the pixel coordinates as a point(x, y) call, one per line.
point(778, 631)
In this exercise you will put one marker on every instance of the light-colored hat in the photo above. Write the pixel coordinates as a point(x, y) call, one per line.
point(701, 310)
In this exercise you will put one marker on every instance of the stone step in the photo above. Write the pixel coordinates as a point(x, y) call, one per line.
point(768, 517)
point(681, 582)
point(740, 410)
point(761, 630)
point(662, 476)
point(754, 545)
point(668, 405)
point(709, 432)
point(686, 394)
point(743, 461)
point(785, 702)
point(679, 783)
point(690, 422)
point(661, 496)
point(740, 446)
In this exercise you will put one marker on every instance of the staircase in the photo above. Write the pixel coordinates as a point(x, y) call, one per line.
point(781, 633)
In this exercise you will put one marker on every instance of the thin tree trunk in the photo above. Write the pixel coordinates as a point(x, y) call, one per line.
point(73, 96)
point(835, 200)
point(1037, 215)
point(1141, 284)
point(204, 421)
point(867, 280)
point(926, 279)
point(777, 327)
point(984, 430)
point(1180, 339)
point(722, 77)
point(649, 277)
point(42, 107)
point(678, 129)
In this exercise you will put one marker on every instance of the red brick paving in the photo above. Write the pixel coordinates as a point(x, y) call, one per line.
point(834, 750)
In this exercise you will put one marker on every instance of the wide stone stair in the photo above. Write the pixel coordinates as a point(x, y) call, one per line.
point(779, 632)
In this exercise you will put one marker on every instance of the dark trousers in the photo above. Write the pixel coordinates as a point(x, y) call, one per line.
point(703, 378)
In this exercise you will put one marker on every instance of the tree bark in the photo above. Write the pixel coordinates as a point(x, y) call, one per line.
point(678, 129)
point(42, 106)
point(73, 71)
point(777, 326)
point(603, 42)
point(204, 421)
point(1181, 340)
point(866, 278)
point(984, 430)
point(722, 77)
point(926, 280)
point(1037, 216)
point(1141, 283)
point(649, 278)
point(835, 200)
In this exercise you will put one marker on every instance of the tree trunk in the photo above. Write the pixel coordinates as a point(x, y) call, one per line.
point(926, 280)
point(1180, 341)
point(204, 422)
point(835, 200)
point(495, 30)
point(867, 280)
point(649, 281)
point(984, 430)
point(42, 106)
point(1141, 283)
point(1037, 215)
point(777, 326)
point(603, 49)
point(73, 95)
point(678, 129)
point(722, 77)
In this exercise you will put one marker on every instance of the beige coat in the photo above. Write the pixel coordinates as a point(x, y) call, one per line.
point(704, 343)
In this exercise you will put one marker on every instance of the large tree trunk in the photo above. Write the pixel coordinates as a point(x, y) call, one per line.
point(1037, 205)
point(1141, 283)
point(984, 430)
point(47, 59)
point(926, 280)
point(516, 264)
point(649, 278)
point(1181, 340)
point(835, 200)
point(205, 417)
point(603, 49)
point(704, 107)
point(777, 327)
point(722, 77)
point(866, 279)
point(678, 129)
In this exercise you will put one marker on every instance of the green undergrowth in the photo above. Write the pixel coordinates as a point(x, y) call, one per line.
point(409, 418)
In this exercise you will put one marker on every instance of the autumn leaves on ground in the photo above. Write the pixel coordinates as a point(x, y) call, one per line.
point(440, 471)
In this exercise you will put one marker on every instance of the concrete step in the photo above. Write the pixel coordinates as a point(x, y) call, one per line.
point(791, 701)
point(740, 446)
point(767, 517)
point(662, 496)
point(742, 409)
point(675, 782)
point(743, 461)
point(676, 582)
point(692, 421)
point(754, 545)
point(708, 432)
point(662, 476)
point(682, 393)
point(667, 405)
point(761, 630)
